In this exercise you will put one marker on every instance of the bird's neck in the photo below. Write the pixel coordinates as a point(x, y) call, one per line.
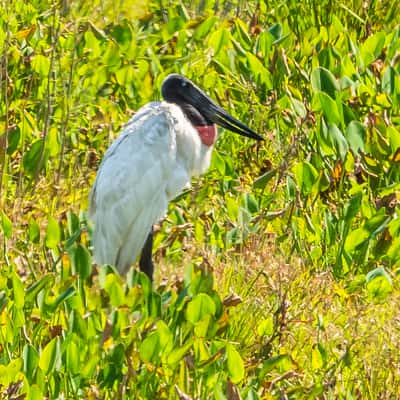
point(208, 133)
point(207, 130)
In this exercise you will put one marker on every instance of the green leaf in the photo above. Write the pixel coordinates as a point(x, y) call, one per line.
point(235, 364)
point(356, 238)
point(372, 47)
point(33, 231)
point(276, 31)
point(41, 65)
point(178, 353)
point(6, 225)
point(317, 361)
point(203, 29)
point(339, 141)
point(113, 287)
point(379, 284)
point(18, 290)
point(218, 162)
point(32, 159)
point(219, 40)
point(263, 180)
point(282, 363)
point(31, 360)
point(199, 307)
point(82, 261)
point(50, 356)
point(266, 326)
point(323, 80)
point(72, 360)
point(66, 294)
point(53, 233)
point(37, 286)
point(352, 208)
point(356, 135)
point(306, 176)
point(389, 80)
point(323, 102)
point(150, 348)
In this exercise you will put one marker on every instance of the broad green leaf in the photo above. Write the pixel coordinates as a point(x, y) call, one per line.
point(53, 142)
point(372, 47)
point(33, 231)
point(34, 393)
point(82, 261)
point(249, 203)
point(352, 208)
point(266, 326)
point(10, 371)
point(150, 348)
point(41, 65)
point(53, 233)
point(339, 141)
point(235, 364)
point(379, 284)
point(32, 158)
point(276, 31)
point(31, 360)
point(200, 306)
point(113, 287)
point(282, 363)
point(66, 294)
point(323, 80)
point(6, 225)
point(317, 361)
point(19, 292)
point(323, 102)
point(356, 238)
point(50, 356)
point(219, 40)
point(33, 290)
point(218, 162)
point(306, 176)
point(263, 180)
point(356, 135)
point(203, 29)
point(389, 80)
point(72, 360)
point(178, 353)
point(165, 337)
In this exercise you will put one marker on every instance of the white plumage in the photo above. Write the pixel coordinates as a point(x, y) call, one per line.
point(153, 159)
point(149, 164)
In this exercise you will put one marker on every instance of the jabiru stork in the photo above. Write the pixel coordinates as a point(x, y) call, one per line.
point(162, 146)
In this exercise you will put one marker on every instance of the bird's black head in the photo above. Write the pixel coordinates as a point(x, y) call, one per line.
point(199, 108)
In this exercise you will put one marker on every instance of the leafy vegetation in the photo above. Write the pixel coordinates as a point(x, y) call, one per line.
point(277, 272)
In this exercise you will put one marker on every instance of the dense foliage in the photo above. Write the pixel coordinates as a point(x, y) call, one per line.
point(284, 255)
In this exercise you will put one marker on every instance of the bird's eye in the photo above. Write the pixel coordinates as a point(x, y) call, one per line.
point(184, 83)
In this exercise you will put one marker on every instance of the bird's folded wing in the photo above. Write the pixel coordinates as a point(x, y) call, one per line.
point(130, 191)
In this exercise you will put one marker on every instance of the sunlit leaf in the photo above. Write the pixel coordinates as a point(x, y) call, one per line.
point(372, 47)
point(356, 134)
point(323, 80)
point(6, 225)
point(53, 233)
point(379, 284)
point(31, 360)
point(200, 306)
point(235, 364)
point(306, 176)
point(50, 356)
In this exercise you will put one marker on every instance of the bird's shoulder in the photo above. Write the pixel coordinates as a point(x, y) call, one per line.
point(140, 159)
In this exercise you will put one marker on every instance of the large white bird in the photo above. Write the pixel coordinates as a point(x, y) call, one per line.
point(162, 146)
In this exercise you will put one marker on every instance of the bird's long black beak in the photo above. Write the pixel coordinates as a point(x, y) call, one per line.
point(218, 115)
